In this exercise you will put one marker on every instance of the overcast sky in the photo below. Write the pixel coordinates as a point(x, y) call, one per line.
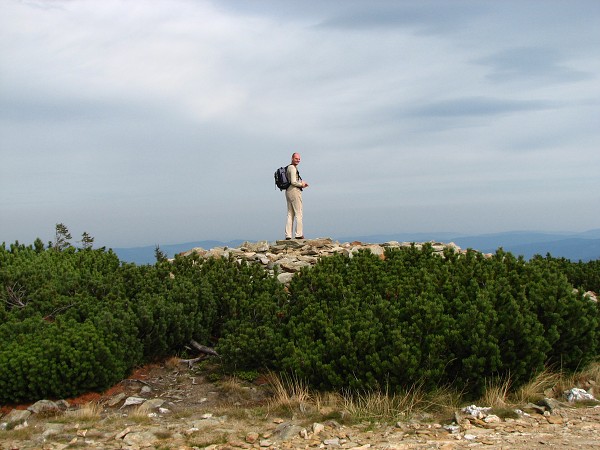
point(160, 122)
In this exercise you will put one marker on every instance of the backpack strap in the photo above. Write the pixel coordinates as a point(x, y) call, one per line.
point(297, 173)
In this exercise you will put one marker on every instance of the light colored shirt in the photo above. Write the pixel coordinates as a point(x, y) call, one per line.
point(295, 180)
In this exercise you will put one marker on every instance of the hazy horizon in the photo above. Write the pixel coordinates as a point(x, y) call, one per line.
point(440, 233)
point(47, 237)
point(163, 122)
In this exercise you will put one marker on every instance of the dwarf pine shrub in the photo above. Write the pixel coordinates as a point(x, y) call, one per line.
point(73, 320)
point(415, 317)
point(58, 360)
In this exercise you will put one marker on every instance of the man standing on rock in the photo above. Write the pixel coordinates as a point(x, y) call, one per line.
point(293, 195)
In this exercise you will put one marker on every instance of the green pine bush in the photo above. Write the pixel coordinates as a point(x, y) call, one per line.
point(74, 320)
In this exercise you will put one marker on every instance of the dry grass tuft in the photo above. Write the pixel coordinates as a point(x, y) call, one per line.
point(208, 438)
point(506, 413)
point(593, 371)
point(582, 379)
point(496, 393)
point(326, 401)
point(173, 363)
point(163, 434)
point(586, 404)
point(442, 402)
point(140, 414)
point(377, 406)
point(290, 395)
point(235, 391)
point(590, 376)
point(22, 434)
point(232, 385)
point(90, 412)
point(537, 388)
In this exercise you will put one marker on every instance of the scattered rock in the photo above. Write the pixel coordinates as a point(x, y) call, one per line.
point(252, 437)
point(476, 412)
point(577, 395)
point(116, 399)
point(140, 438)
point(555, 420)
point(550, 403)
point(123, 433)
point(44, 406)
point(14, 418)
point(286, 431)
point(479, 428)
point(52, 429)
point(334, 442)
point(492, 418)
point(133, 401)
point(153, 403)
point(533, 407)
point(289, 257)
point(317, 428)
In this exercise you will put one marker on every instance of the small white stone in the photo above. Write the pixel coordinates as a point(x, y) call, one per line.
point(492, 418)
point(317, 428)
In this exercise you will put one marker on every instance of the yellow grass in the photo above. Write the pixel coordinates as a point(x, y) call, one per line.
point(496, 393)
point(378, 406)
point(538, 388)
point(89, 412)
point(290, 395)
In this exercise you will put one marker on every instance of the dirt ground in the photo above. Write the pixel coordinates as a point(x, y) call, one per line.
point(202, 410)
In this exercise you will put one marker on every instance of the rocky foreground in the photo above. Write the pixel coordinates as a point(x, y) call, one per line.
point(177, 407)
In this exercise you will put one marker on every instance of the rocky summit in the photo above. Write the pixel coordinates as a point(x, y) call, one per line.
point(287, 257)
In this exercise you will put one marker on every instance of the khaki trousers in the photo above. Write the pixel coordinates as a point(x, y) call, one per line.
point(294, 211)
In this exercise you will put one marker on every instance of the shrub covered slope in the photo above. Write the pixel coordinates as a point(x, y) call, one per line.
point(74, 320)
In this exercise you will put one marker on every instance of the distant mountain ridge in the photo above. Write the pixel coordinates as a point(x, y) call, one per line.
point(146, 254)
point(584, 246)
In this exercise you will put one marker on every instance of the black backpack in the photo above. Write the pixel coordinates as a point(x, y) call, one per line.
point(281, 178)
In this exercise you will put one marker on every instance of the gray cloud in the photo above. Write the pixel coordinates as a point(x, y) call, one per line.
point(479, 106)
point(164, 124)
point(531, 63)
point(49, 107)
point(426, 16)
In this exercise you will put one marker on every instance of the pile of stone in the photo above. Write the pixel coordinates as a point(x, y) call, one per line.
point(17, 418)
point(290, 256)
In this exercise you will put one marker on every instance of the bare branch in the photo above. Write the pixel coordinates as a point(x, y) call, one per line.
point(191, 362)
point(15, 296)
point(50, 317)
point(206, 352)
point(203, 349)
